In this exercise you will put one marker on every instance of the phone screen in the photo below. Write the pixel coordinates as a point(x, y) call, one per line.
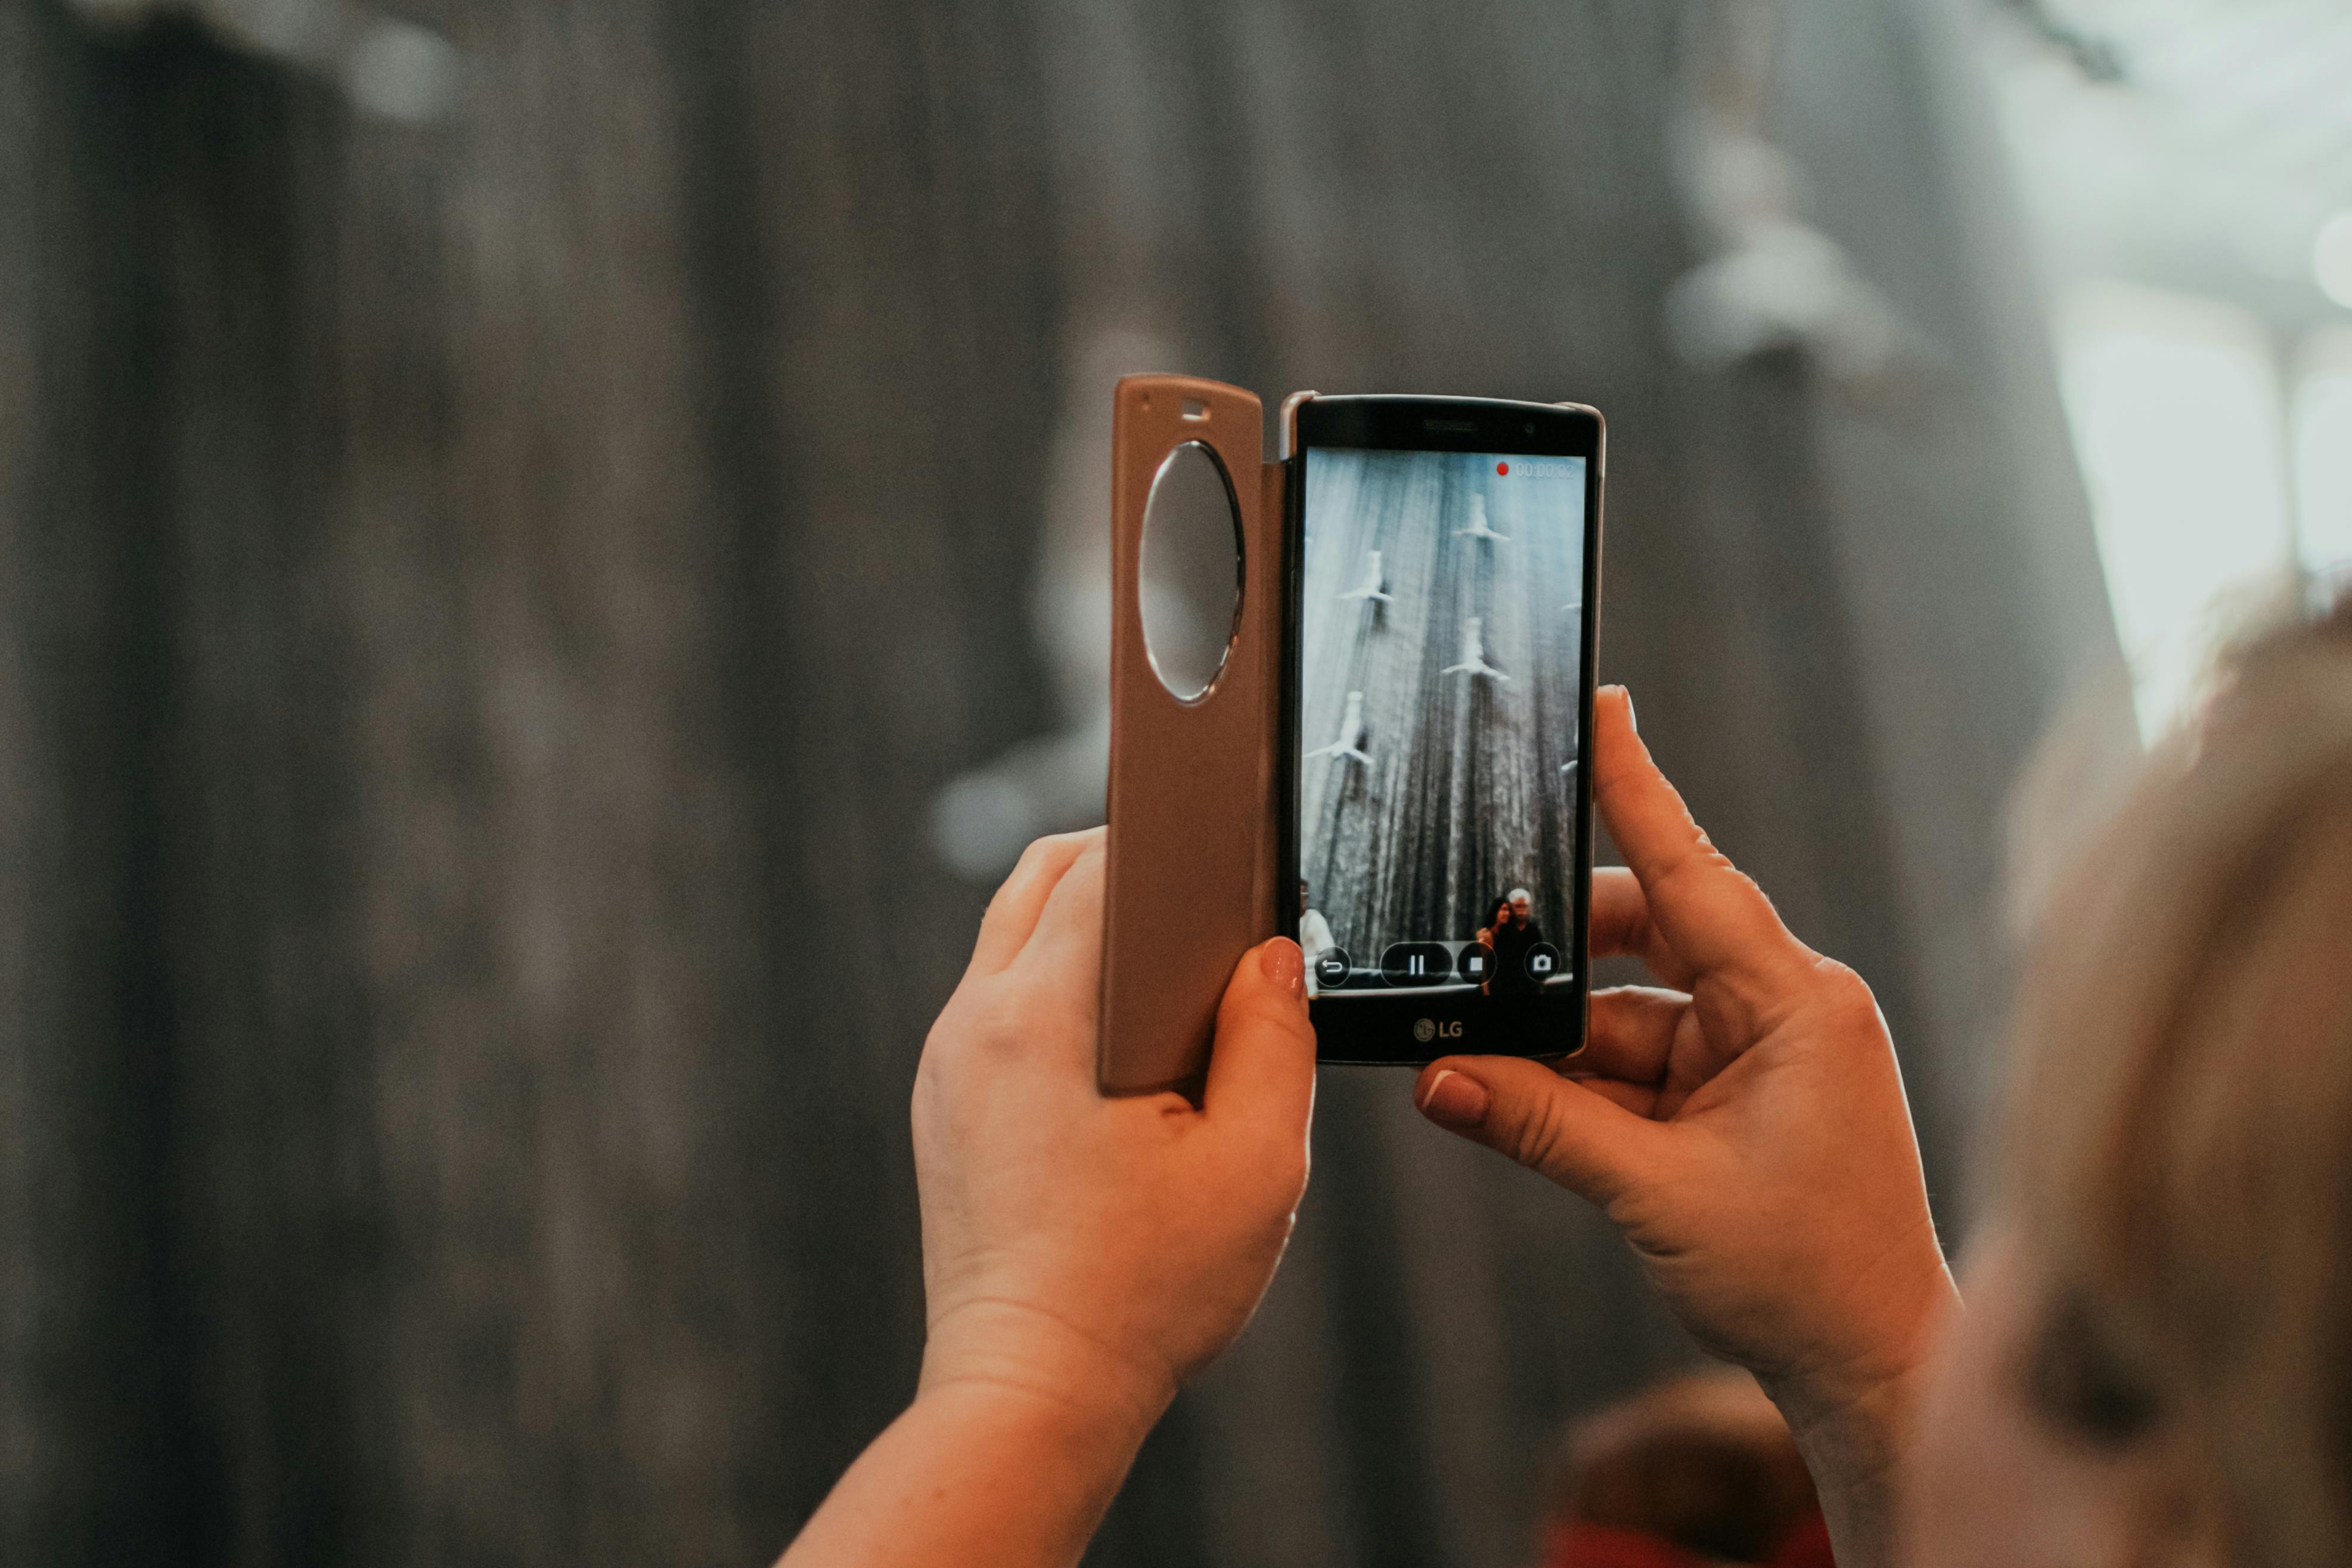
point(1443, 691)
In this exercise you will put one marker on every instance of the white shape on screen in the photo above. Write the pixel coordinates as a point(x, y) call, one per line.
point(1473, 653)
point(1478, 529)
point(1372, 587)
point(1350, 743)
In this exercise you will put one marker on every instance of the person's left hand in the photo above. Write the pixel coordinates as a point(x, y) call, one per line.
point(1097, 1252)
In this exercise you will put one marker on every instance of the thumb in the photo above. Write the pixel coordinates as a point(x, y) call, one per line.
point(1588, 1145)
point(1262, 1065)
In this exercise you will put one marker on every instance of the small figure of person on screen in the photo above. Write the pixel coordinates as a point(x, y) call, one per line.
point(1314, 935)
point(1497, 918)
point(1513, 937)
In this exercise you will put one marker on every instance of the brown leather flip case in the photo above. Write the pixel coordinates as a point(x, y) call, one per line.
point(1194, 850)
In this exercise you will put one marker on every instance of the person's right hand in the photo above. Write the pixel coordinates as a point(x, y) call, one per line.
point(1746, 1127)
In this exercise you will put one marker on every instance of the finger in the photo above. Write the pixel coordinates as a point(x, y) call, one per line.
point(1630, 1035)
point(1711, 915)
point(1262, 1067)
point(1059, 968)
point(1555, 1126)
point(1620, 926)
point(1013, 913)
point(1642, 1099)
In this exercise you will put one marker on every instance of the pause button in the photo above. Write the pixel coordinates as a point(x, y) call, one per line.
point(1416, 964)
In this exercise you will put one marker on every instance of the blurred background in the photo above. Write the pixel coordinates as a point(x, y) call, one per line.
point(548, 555)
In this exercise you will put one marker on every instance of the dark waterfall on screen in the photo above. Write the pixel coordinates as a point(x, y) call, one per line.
point(1457, 782)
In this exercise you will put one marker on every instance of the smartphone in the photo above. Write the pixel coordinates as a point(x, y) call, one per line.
point(1445, 557)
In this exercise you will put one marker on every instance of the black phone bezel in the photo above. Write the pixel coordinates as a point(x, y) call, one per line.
point(1383, 1032)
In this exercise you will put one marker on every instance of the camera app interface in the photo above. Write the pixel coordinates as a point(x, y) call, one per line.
point(1440, 635)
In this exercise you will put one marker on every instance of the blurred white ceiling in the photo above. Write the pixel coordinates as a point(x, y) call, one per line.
point(2202, 145)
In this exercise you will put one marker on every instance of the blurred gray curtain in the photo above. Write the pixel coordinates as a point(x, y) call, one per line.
point(488, 594)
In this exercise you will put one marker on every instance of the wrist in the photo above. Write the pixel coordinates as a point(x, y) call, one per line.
point(993, 1462)
point(1030, 1358)
point(1854, 1453)
point(1853, 1429)
point(1862, 1433)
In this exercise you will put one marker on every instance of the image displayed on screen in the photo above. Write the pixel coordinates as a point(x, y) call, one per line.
point(1440, 635)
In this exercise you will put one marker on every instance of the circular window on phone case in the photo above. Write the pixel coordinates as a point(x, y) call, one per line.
point(1191, 572)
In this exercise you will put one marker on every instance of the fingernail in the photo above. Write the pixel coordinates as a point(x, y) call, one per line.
point(1454, 1101)
point(1631, 722)
point(1284, 965)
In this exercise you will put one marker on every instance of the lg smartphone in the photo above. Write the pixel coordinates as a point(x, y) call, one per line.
point(1438, 693)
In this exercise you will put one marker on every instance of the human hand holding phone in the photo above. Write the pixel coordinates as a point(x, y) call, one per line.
point(1129, 1236)
point(1082, 1254)
point(1746, 1127)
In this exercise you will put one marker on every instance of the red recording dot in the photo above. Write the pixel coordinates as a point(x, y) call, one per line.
point(1501, 468)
